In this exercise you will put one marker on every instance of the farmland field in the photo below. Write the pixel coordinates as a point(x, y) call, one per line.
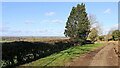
point(16, 52)
point(32, 39)
point(45, 51)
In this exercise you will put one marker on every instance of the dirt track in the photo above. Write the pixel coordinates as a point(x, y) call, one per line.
point(104, 56)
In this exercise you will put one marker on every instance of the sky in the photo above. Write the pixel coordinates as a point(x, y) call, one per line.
point(49, 18)
point(60, 0)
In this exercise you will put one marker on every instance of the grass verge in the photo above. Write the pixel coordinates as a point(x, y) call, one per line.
point(59, 59)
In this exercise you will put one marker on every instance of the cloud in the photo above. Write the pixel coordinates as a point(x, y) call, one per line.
point(50, 13)
point(16, 31)
point(62, 30)
point(5, 22)
point(28, 31)
point(45, 21)
point(42, 31)
point(107, 11)
point(56, 21)
point(51, 21)
point(114, 27)
point(27, 22)
point(4, 29)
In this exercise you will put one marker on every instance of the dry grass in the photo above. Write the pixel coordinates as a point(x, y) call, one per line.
point(39, 39)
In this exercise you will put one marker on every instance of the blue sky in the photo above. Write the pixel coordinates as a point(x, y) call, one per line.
point(49, 18)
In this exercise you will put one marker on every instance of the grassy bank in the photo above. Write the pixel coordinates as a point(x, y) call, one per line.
point(59, 59)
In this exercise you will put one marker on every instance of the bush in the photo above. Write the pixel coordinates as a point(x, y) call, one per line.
point(93, 35)
point(101, 38)
point(116, 34)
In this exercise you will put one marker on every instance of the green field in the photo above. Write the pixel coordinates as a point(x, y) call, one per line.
point(60, 59)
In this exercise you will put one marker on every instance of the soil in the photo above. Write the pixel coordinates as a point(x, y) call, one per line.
point(104, 56)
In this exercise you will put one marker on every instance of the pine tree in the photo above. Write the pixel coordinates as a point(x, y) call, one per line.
point(78, 25)
point(70, 24)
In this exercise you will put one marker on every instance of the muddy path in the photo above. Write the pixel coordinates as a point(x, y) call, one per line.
point(104, 56)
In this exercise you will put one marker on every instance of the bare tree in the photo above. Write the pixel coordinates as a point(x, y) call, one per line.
point(92, 19)
point(95, 24)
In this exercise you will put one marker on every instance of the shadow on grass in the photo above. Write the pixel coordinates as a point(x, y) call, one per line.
point(19, 53)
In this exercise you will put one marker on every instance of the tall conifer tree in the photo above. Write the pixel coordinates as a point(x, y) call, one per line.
point(78, 25)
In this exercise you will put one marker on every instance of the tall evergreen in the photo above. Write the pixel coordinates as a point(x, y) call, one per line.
point(78, 25)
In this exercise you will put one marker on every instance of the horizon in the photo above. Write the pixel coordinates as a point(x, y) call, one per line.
point(33, 36)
